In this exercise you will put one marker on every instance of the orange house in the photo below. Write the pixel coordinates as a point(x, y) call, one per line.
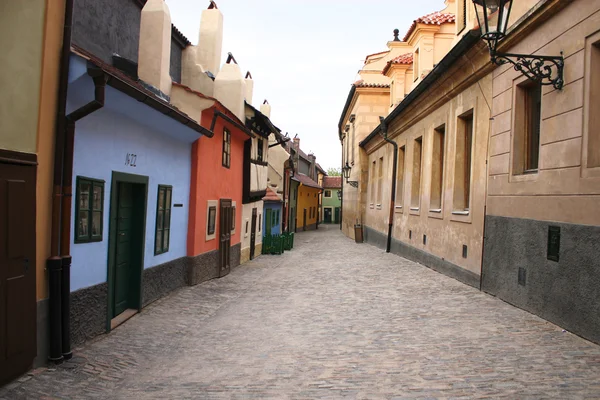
point(213, 241)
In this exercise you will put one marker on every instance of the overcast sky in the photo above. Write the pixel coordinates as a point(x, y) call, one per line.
point(304, 54)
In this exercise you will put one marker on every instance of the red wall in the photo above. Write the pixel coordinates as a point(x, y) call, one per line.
point(212, 181)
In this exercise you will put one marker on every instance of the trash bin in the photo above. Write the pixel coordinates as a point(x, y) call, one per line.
point(358, 233)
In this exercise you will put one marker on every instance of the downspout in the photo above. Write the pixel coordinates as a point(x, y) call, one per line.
point(384, 134)
point(342, 190)
point(54, 263)
point(67, 195)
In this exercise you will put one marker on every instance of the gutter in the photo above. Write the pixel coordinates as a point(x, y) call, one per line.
point(467, 41)
point(227, 118)
point(384, 133)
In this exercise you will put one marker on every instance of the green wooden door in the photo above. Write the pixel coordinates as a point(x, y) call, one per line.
point(124, 262)
point(268, 217)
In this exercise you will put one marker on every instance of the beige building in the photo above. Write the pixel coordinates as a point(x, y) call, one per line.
point(542, 228)
point(497, 183)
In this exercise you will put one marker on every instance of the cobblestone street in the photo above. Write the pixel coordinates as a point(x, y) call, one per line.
point(330, 319)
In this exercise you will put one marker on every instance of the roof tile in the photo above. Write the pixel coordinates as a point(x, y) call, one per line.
point(332, 182)
point(436, 18)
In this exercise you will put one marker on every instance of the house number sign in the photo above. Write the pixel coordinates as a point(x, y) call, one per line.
point(130, 160)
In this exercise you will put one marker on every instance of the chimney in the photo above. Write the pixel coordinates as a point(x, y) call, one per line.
point(313, 163)
point(154, 55)
point(230, 87)
point(265, 108)
point(249, 87)
point(210, 39)
point(296, 142)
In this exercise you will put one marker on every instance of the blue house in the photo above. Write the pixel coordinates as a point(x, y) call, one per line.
point(273, 212)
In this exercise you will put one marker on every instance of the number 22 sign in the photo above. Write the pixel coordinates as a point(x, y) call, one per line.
point(131, 159)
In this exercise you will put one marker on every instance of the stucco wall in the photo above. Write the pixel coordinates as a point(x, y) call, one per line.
point(212, 181)
point(446, 231)
point(102, 141)
point(21, 44)
point(368, 106)
point(307, 198)
point(46, 136)
point(564, 189)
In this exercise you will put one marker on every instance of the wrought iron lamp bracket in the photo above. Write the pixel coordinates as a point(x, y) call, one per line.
point(352, 183)
point(537, 68)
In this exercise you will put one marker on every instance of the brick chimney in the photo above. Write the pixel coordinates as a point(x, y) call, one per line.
point(230, 87)
point(210, 39)
point(154, 55)
point(265, 108)
point(313, 167)
point(249, 87)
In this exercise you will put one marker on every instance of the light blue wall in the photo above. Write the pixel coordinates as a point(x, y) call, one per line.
point(274, 207)
point(102, 141)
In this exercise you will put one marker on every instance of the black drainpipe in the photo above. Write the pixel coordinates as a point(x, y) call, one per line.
point(384, 133)
point(342, 189)
point(54, 263)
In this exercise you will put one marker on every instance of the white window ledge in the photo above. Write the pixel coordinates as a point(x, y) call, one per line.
point(435, 210)
point(465, 212)
point(414, 209)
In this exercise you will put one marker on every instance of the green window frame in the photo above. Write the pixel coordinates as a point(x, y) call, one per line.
point(89, 210)
point(163, 219)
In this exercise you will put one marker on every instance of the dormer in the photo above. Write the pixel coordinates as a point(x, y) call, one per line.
point(400, 72)
point(431, 38)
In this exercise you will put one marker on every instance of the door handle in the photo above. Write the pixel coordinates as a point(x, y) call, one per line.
point(122, 234)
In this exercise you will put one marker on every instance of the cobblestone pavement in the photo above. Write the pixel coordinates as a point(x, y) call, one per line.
point(330, 319)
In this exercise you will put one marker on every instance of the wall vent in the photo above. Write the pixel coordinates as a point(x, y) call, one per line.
point(424, 239)
point(410, 234)
point(522, 276)
point(553, 243)
point(465, 251)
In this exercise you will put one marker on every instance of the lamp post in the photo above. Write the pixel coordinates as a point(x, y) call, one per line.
point(346, 172)
point(493, 16)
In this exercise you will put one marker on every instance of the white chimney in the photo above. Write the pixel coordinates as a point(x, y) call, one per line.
point(265, 108)
point(154, 56)
point(210, 40)
point(230, 87)
point(249, 87)
point(193, 75)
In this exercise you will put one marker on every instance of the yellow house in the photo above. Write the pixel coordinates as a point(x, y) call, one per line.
point(31, 32)
point(307, 203)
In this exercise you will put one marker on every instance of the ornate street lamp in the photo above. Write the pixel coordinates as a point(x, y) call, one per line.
point(493, 16)
point(339, 194)
point(346, 172)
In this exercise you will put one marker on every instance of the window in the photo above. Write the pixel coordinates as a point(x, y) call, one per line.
point(226, 148)
point(380, 182)
point(233, 219)
point(260, 149)
point(416, 73)
point(373, 167)
point(212, 219)
point(400, 177)
point(527, 128)
point(437, 168)
point(327, 193)
point(462, 170)
point(461, 15)
point(416, 174)
point(89, 210)
point(353, 142)
point(163, 219)
point(593, 102)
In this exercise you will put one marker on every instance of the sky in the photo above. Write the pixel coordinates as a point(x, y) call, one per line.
point(304, 54)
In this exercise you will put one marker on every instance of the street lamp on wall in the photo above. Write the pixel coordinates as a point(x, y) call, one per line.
point(493, 16)
point(339, 194)
point(346, 172)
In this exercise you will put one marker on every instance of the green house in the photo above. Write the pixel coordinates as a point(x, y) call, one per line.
point(332, 204)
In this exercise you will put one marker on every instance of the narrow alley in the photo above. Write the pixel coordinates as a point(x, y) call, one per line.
point(330, 319)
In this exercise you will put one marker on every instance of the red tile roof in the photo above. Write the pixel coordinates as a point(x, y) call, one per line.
point(402, 59)
point(436, 18)
point(271, 196)
point(332, 182)
point(306, 181)
point(362, 84)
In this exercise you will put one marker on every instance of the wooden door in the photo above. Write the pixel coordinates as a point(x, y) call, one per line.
point(17, 270)
point(268, 222)
point(253, 234)
point(225, 225)
point(327, 215)
point(124, 259)
point(304, 221)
